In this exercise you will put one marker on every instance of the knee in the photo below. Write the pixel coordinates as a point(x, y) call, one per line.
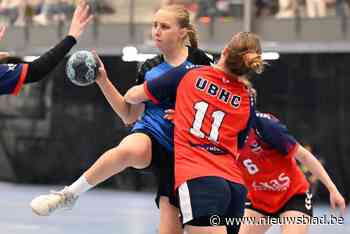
point(117, 155)
point(131, 156)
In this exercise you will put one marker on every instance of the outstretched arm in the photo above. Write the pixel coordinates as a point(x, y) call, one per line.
point(130, 106)
point(127, 112)
point(316, 168)
point(39, 68)
point(13, 77)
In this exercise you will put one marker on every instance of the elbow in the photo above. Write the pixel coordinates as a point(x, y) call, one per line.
point(128, 121)
point(302, 154)
point(135, 95)
point(131, 97)
point(128, 118)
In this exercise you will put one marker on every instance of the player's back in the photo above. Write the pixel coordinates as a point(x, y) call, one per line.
point(212, 108)
point(272, 177)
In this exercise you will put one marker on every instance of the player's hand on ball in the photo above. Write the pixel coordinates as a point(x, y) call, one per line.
point(80, 20)
point(102, 73)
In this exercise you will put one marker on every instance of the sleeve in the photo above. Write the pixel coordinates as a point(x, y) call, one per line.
point(140, 77)
point(145, 67)
point(163, 88)
point(243, 135)
point(12, 78)
point(42, 66)
point(276, 135)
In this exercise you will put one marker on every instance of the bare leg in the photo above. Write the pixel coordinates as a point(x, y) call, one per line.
point(169, 218)
point(294, 228)
point(134, 150)
point(205, 230)
point(253, 228)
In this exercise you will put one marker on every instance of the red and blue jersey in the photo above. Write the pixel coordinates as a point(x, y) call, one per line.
point(212, 113)
point(12, 78)
point(268, 166)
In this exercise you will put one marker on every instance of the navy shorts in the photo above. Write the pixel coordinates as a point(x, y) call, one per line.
point(299, 202)
point(162, 165)
point(204, 199)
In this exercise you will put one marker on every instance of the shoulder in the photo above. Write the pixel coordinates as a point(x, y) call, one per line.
point(268, 124)
point(267, 117)
point(10, 70)
point(197, 70)
point(274, 133)
point(146, 67)
point(9, 67)
point(150, 63)
point(198, 56)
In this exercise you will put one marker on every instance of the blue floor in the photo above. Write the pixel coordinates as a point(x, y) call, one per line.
point(101, 211)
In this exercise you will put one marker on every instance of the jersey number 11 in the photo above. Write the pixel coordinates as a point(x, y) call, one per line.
point(218, 117)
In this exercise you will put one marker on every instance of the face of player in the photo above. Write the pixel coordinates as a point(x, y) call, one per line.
point(166, 32)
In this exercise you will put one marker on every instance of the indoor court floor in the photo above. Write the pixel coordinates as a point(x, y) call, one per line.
point(102, 211)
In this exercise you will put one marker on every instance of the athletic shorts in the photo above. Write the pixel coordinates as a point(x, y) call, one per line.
point(162, 165)
point(207, 201)
point(299, 202)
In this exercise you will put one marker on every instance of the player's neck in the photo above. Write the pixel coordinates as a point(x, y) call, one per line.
point(220, 65)
point(176, 56)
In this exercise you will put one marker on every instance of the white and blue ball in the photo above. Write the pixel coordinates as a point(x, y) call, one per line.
point(82, 68)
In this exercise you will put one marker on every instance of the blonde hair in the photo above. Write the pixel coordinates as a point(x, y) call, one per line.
point(244, 54)
point(183, 19)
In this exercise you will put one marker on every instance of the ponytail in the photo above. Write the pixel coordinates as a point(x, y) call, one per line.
point(254, 62)
point(192, 36)
point(244, 54)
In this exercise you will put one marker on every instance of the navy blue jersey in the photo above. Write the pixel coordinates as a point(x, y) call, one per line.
point(153, 120)
point(12, 78)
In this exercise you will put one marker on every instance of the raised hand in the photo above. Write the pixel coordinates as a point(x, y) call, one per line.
point(80, 20)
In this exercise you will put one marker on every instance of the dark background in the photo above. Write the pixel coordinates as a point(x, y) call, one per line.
point(54, 130)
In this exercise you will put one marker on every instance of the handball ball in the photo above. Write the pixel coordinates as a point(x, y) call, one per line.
point(82, 68)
